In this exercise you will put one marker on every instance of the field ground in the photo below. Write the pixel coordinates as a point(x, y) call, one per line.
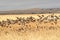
point(44, 32)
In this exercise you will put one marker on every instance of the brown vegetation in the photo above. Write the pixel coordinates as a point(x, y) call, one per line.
point(30, 20)
point(41, 27)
